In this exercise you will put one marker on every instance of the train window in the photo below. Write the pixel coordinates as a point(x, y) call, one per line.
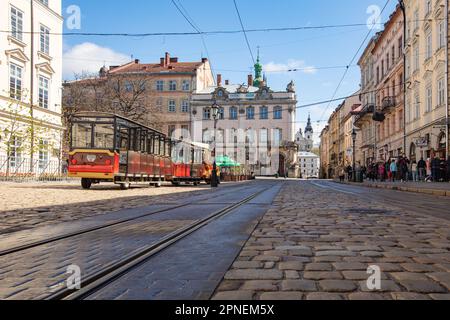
point(123, 138)
point(161, 147)
point(168, 147)
point(81, 135)
point(104, 136)
point(156, 146)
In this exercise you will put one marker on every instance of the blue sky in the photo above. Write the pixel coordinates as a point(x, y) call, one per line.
point(229, 53)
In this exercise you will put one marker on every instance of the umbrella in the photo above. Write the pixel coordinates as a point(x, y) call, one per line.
point(225, 161)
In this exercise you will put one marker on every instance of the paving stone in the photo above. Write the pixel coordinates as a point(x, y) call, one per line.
point(247, 265)
point(408, 276)
point(318, 267)
point(291, 265)
point(336, 253)
point(415, 267)
point(289, 296)
point(409, 296)
point(443, 296)
point(322, 275)
point(326, 296)
point(443, 278)
point(358, 275)
point(234, 295)
point(422, 286)
point(229, 285)
point(386, 286)
point(266, 258)
point(364, 296)
point(350, 266)
point(259, 285)
point(337, 285)
point(298, 285)
point(289, 274)
point(364, 248)
point(253, 274)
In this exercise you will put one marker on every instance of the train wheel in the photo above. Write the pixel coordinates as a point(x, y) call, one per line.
point(158, 184)
point(86, 183)
point(125, 185)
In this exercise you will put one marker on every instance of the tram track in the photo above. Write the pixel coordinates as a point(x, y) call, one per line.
point(116, 269)
point(38, 243)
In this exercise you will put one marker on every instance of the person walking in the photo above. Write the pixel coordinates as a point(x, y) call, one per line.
point(422, 167)
point(435, 169)
point(415, 171)
point(393, 170)
point(429, 173)
point(382, 171)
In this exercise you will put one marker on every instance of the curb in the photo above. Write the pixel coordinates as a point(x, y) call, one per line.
point(435, 192)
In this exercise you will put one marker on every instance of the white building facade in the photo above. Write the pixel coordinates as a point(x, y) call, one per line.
point(309, 165)
point(30, 87)
point(305, 141)
point(256, 126)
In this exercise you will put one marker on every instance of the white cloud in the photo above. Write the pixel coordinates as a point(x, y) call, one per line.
point(289, 65)
point(89, 57)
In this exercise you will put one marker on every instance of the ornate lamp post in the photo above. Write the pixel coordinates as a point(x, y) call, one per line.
point(354, 154)
point(215, 114)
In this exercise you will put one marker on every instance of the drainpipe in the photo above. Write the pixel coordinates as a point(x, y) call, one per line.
point(402, 6)
point(32, 87)
point(447, 124)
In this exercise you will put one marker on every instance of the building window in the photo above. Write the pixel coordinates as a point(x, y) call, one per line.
point(264, 113)
point(233, 113)
point(428, 8)
point(45, 40)
point(15, 155)
point(416, 57)
point(171, 130)
point(15, 81)
point(416, 19)
point(417, 107)
point(441, 34)
point(429, 52)
point(44, 2)
point(43, 154)
point(159, 85)
point(128, 86)
point(441, 92)
point(185, 106)
point(186, 85)
point(16, 24)
point(278, 113)
point(221, 113)
point(206, 113)
point(429, 97)
point(172, 85)
point(277, 136)
point(159, 104)
point(250, 113)
point(43, 92)
point(172, 106)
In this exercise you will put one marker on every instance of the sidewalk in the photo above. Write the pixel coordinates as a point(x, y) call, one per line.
point(437, 189)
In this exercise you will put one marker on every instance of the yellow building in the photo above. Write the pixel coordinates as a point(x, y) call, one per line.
point(426, 78)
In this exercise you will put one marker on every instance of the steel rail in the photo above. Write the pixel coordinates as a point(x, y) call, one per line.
point(107, 225)
point(115, 270)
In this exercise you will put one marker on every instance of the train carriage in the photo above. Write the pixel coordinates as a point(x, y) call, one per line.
point(110, 148)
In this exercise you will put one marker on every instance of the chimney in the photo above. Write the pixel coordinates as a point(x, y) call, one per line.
point(173, 60)
point(204, 60)
point(250, 80)
point(219, 80)
point(227, 82)
point(167, 59)
point(162, 62)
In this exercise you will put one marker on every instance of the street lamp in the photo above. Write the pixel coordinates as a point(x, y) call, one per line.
point(215, 114)
point(354, 154)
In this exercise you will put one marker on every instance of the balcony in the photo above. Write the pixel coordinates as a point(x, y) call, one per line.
point(364, 114)
point(387, 104)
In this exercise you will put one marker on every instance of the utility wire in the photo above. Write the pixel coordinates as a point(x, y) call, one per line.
point(352, 60)
point(245, 33)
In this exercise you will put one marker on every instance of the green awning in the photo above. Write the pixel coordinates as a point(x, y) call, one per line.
point(225, 161)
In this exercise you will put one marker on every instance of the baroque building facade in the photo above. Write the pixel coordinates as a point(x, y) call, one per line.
point(30, 87)
point(256, 125)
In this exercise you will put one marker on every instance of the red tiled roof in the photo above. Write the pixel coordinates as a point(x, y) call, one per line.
point(174, 67)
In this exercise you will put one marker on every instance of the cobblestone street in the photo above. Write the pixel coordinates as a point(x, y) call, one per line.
point(29, 205)
point(319, 240)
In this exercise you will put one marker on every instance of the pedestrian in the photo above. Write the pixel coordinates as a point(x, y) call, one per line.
point(342, 175)
point(404, 162)
point(448, 168)
point(442, 170)
point(393, 170)
point(422, 167)
point(414, 171)
point(382, 172)
point(429, 173)
point(435, 169)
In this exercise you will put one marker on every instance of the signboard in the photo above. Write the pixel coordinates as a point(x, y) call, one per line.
point(242, 96)
point(422, 142)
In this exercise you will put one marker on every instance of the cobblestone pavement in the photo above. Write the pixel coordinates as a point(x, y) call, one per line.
point(39, 271)
point(318, 244)
point(29, 205)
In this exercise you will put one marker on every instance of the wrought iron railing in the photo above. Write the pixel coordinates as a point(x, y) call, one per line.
point(23, 169)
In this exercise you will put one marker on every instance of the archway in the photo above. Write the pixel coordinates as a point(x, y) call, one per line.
point(441, 150)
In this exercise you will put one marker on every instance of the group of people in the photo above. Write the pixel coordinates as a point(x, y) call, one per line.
point(402, 169)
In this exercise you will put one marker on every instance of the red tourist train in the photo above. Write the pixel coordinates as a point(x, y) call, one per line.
point(109, 148)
